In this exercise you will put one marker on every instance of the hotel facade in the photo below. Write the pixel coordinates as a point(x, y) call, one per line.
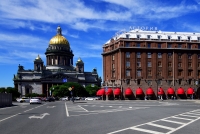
point(150, 64)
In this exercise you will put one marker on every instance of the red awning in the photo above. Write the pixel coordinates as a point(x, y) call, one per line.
point(109, 91)
point(180, 91)
point(149, 91)
point(117, 91)
point(101, 92)
point(160, 91)
point(139, 91)
point(128, 91)
point(170, 91)
point(190, 90)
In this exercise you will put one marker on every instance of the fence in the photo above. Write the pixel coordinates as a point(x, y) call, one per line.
point(5, 99)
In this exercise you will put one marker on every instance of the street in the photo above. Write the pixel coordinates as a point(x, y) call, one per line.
point(102, 117)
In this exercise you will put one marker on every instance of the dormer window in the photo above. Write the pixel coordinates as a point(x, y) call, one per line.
point(159, 37)
point(127, 36)
point(169, 37)
point(179, 38)
point(149, 37)
point(189, 38)
point(138, 37)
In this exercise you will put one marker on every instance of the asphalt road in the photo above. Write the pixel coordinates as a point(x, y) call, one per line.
point(102, 117)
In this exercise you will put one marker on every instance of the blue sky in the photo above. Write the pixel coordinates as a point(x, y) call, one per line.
point(26, 27)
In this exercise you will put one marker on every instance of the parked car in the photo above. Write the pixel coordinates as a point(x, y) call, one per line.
point(77, 98)
point(49, 99)
point(36, 100)
point(23, 99)
point(91, 98)
point(64, 98)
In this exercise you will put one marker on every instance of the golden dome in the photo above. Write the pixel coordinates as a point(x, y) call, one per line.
point(79, 60)
point(38, 57)
point(59, 39)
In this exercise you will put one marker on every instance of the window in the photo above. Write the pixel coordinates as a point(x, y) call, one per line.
point(169, 37)
point(139, 73)
point(159, 73)
point(113, 57)
point(198, 39)
point(169, 73)
point(179, 38)
point(138, 55)
point(113, 66)
point(169, 82)
point(127, 54)
point(159, 55)
point(179, 56)
point(138, 64)
point(169, 64)
point(149, 36)
point(180, 72)
point(158, 37)
point(198, 46)
point(159, 82)
point(113, 74)
point(189, 38)
point(159, 64)
point(149, 45)
point(149, 73)
point(127, 64)
point(128, 73)
point(198, 56)
point(189, 56)
point(127, 44)
point(149, 82)
point(148, 55)
point(179, 81)
point(169, 55)
point(169, 45)
point(138, 44)
point(179, 46)
point(189, 72)
point(149, 64)
point(159, 45)
point(198, 64)
point(127, 36)
point(189, 46)
point(138, 37)
point(189, 64)
point(138, 82)
point(179, 64)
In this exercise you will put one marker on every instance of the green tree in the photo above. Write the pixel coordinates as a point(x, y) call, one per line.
point(14, 92)
point(2, 90)
point(92, 89)
point(63, 90)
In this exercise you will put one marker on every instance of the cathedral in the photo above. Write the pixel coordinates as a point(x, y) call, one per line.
point(58, 70)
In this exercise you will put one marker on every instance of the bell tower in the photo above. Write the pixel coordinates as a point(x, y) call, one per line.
point(79, 65)
point(38, 64)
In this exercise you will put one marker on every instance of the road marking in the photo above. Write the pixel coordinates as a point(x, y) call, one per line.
point(161, 126)
point(130, 107)
point(33, 108)
point(146, 130)
point(83, 108)
point(172, 121)
point(153, 123)
point(67, 113)
point(9, 117)
point(181, 118)
point(39, 117)
point(189, 115)
point(51, 106)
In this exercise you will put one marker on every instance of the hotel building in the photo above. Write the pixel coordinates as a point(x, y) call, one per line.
point(152, 64)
